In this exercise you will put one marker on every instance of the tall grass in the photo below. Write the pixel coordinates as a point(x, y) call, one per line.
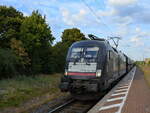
point(146, 70)
point(19, 89)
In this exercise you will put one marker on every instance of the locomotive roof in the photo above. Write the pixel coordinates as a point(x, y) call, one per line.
point(90, 43)
point(103, 44)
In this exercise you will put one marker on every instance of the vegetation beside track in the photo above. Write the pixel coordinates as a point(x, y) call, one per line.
point(146, 70)
point(14, 92)
point(27, 44)
point(27, 48)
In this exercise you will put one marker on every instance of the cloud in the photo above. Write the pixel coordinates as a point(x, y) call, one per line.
point(122, 30)
point(137, 41)
point(121, 2)
point(121, 16)
point(127, 9)
point(73, 19)
point(79, 18)
point(147, 50)
point(110, 12)
point(145, 18)
point(141, 34)
point(123, 21)
point(140, 37)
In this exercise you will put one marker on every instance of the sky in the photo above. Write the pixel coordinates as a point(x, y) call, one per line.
point(128, 19)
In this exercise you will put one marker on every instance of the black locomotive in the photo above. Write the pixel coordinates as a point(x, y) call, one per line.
point(92, 66)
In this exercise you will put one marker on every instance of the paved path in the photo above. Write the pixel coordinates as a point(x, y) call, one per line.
point(138, 100)
point(131, 95)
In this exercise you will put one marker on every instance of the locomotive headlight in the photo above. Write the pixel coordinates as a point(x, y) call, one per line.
point(98, 73)
point(66, 72)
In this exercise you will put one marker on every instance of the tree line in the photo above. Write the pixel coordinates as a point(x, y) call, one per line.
point(26, 44)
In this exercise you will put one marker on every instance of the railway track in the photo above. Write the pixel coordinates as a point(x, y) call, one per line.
point(76, 106)
point(70, 105)
point(73, 106)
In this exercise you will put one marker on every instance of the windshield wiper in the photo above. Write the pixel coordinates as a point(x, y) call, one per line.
point(75, 60)
point(87, 61)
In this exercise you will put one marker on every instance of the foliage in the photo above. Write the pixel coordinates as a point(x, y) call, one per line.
point(19, 50)
point(10, 12)
point(37, 39)
point(72, 35)
point(59, 55)
point(22, 88)
point(8, 63)
point(10, 22)
point(69, 36)
point(35, 32)
point(140, 62)
point(27, 44)
point(146, 70)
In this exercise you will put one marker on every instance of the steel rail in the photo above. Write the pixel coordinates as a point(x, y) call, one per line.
point(61, 106)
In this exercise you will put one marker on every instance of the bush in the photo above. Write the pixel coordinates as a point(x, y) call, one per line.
point(8, 63)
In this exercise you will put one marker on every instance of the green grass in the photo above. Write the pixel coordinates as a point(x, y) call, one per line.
point(15, 91)
point(146, 70)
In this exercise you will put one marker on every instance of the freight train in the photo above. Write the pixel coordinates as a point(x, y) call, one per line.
point(92, 66)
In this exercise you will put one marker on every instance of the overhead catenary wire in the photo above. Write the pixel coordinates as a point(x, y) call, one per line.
point(99, 20)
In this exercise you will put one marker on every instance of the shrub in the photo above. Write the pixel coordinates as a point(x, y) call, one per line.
point(8, 63)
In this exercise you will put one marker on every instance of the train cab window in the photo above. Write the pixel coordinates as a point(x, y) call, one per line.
point(84, 54)
point(91, 52)
point(76, 52)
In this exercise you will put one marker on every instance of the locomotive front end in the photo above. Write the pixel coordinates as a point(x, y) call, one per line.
point(83, 68)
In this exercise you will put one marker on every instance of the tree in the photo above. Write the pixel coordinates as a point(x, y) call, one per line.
point(20, 52)
point(59, 56)
point(37, 39)
point(72, 35)
point(69, 36)
point(26, 44)
point(8, 63)
point(10, 22)
point(10, 12)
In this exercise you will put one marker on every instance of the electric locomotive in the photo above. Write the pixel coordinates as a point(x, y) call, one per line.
point(92, 66)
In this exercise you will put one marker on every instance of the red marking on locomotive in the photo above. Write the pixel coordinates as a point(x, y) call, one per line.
point(82, 74)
